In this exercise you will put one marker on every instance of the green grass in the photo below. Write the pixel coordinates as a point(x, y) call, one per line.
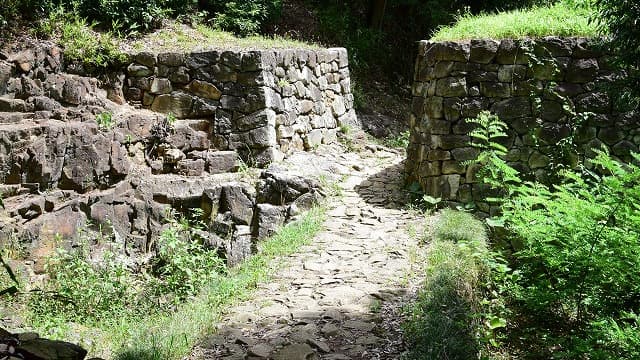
point(566, 18)
point(446, 320)
point(180, 37)
point(171, 336)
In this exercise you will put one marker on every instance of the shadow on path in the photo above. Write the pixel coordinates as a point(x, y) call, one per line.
point(333, 332)
point(385, 189)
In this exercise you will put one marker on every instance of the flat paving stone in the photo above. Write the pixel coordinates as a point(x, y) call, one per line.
point(339, 297)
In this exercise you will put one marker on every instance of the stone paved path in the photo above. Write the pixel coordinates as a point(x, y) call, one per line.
point(338, 298)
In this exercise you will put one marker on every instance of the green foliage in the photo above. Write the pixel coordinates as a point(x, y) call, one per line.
point(172, 336)
point(183, 266)
point(564, 18)
point(575, 245)
point(80, 42)
point(25, 9)
point(79, 290)
point(96, 290)
point(619, 18)
point(128, 16)
point(242, 17)
point(399, 141)
point(105, 120)
point(492, 169)
point(457, 314)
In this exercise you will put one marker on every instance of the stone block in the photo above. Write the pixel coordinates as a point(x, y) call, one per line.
point(313, 139)
point(483, 51)
point(139, 70)
point(510, 52)
point(218, 162)
point(509, 73)
point(146, 58)
point(554, 46)
point(269, 219)
point(256, 138)
point(582, 70)
point(204, 89)
point(433, 107)
point(495, 89)
point(190, 167)
point(171, 59)
point(512, 108)
point(160, 86)
point(177, 103)
point(596, 102)
point(445, 51)
point(452, 167)
point(255, 120)
point(451, 87)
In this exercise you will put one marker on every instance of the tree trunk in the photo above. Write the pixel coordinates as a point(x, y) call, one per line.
point(376, 13)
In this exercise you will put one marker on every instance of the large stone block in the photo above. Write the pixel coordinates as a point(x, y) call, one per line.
point(177, 103)
point(483, 51)
point(451, 87)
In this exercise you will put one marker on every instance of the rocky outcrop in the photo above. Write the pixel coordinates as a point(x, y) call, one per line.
point(75, 158)
point(29, 346)
point(549, 91)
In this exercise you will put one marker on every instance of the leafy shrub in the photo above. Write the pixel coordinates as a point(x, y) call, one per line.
point(80, 42)
point(129, 16)
point(92, 291)
point(577, 248)
point(25, 9)
point(183, 265)
point(242, 17)
point(79, 290)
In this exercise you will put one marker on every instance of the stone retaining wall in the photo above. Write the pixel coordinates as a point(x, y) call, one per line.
point(539, 88)
point(262, 104)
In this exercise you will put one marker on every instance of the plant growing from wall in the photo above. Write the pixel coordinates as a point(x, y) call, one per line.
point(574, 248)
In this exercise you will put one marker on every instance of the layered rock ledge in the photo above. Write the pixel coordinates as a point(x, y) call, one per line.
point(168, 132)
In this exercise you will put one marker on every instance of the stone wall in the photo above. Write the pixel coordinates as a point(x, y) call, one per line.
point(261, 104)
point(539, 88)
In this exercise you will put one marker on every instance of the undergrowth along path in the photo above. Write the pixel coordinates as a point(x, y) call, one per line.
point(341, 296)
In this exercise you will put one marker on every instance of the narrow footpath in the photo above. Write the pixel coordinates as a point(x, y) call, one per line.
point(341, 296)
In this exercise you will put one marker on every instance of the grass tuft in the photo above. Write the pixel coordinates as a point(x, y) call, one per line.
point(444, 322)
point(566, 18)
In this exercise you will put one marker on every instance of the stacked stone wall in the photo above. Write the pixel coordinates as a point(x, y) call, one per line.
point(261, 104)
point(540, 88)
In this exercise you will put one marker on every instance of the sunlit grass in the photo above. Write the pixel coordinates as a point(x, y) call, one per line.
point(567, 18)
point(180, 37)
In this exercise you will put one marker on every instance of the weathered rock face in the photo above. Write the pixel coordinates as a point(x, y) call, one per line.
point(262, 104)
point(527, 84)
point(74, 160)
point(29, 346)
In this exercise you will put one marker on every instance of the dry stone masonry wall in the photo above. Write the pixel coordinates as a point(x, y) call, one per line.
point(540, 88)
point(261, 104)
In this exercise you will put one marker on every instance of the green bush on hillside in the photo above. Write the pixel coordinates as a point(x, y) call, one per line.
point(242, 17)
point(128, 16)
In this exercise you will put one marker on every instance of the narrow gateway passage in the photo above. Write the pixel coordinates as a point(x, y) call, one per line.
point(340, 297)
